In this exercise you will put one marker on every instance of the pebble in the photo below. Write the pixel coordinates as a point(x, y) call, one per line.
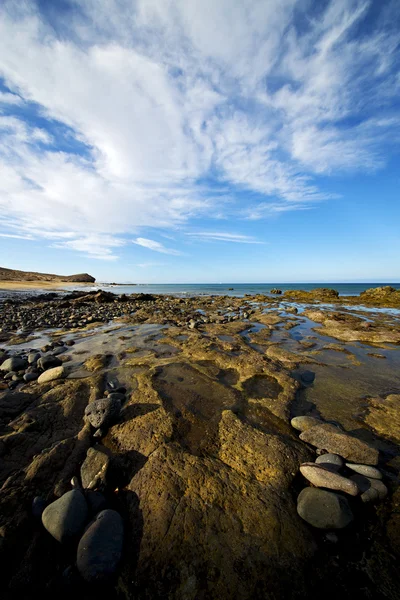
point(102, 413)
point(304, 422)
point(333, 461)
point(33, 357)
point(65, 518)
point(100, 548)
point(48, 362)
point(15, 363)
point(324, 510)
point(339, 442)
point(94, 468)
point(52, 374)
point(307, 376)
point(69, 343)
point(371, 489)
point(365, 470)
point(319, 476)
point(30, 377)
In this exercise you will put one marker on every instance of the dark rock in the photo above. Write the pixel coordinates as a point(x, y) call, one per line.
point(102, 413)
point(100, 548)
point(15, 363)
point(70, 343)
point(116, 396)
point(48, 362)
point(371, 489)
point(33, 357)
point(307, 376)
point(30, 377)
point(65, 518)
point(38, 506)
point(96, 501)
point(324, 510)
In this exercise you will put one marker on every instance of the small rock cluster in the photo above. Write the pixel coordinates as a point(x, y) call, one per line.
point(42, 365)
point(81, 518)
point(346, 466)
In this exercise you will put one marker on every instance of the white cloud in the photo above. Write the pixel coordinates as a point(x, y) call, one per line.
point(156, 246)
point(221, 236)
point(164, 96)
point(18, 237)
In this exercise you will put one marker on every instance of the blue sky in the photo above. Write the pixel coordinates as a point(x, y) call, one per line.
point(214, 141)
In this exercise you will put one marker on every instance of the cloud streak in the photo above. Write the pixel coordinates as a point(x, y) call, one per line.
point(155, 246)
point(146, 114)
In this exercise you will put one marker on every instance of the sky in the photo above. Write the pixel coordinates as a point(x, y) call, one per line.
point(181, 141)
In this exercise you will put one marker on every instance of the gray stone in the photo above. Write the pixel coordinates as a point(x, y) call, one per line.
point(100, 548)
point(332, 461)
point(65, 518)
point(59, 350)
point(307, 376)
point(365, 470)
point(94, 468)
point(102, 413)
point(33, 357)
point(304, 422)
point(372, 490)
point(48, 362)
point(324, 510)
point(52, 374)
point(320, 476)
point(335, 441)
point(15, 363)
point(30, 377)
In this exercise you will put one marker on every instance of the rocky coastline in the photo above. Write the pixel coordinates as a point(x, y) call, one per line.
point(206, 447)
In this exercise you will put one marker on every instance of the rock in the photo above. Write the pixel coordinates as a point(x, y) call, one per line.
point(15, 363)
point(192, 324)
point(371, 489)
point(100, 548)
point(48, 362)
point(75, 483)
point(365, 470)
point(335, 441)
point(94, 468)
point(69, 343)
point(52, 374)
point(304, 423)
point(33, 357)
point(116, 396)
point(38, 506)
point(30, 377)
point(65, 518)
point(307, 376)
point(324, 510)
point(333, 461)
point(320, 476)
point(276, 291)
point(102, 413)
point(59, 350)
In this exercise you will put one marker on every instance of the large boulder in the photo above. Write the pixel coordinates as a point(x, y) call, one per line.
point(324, 510)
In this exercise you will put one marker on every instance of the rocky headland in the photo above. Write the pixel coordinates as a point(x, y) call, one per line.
point(209, 447)
point(15, 276)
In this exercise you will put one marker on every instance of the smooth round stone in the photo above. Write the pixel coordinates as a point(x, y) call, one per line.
point(33, 357)
point(15, 363)
point(372, 490)
point(303, 423)
point(307, 377)
point(319, 476)
point(48, 362)
point(100, 548)
point(69, 343)
point(366, 470)
point(324, 510)
point(333, 461)
point(52, 374)
point(30, 377)
point(65, 518)
point(101, 413)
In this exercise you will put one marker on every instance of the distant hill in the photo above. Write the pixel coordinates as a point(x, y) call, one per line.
point(13, 275)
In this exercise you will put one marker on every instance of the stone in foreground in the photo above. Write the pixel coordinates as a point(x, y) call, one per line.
point(52, 375)
point(100, 548)
point(94, 469)
point(13, 364)
point(335, 441)
point(65, 518)
point(102, 413)
point(48, 362)
point(365, 470)
point(320, 476)
point(324, 510)
point(303, 423)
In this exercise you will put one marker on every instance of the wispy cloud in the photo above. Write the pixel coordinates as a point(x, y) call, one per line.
point(148, 110)
point(149, 265)
point(156, 246)
point(18, 237)
point(210, 236)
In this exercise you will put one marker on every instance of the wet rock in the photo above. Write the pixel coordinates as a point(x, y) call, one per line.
point(304, 422)
point(365, 470)
point(103, 412)
point(52, 374)
point(307, 377)
point(100, 548)
point(94, 468)
point(335, 441)
point(15, 363)
point(65, 518)
point(28, 377)
point(320, 476)
point(332, 461)
point(324, 510)
point(48, 362)
point(372, 490)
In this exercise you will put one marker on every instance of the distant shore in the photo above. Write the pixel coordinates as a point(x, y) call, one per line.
point(39, 285)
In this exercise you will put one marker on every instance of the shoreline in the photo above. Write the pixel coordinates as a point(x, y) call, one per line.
point(39, 285)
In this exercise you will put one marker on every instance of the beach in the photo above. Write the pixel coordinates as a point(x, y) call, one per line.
point(179, 413)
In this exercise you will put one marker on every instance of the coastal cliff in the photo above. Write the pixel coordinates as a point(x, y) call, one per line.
point(21, 276)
